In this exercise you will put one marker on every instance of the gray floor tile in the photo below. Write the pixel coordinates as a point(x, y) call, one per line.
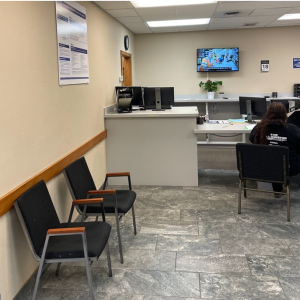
point(207, 230)
point(47, 294)
point(256, 246)
point(291, 287)
point(151, 283)
point(281, 266)
point(158, 214)
point(219, 263)
point(188, 243)
point(141, 259)
point(172, 227)
point(279, 231)
point(236, 230)
point(217, 216)
point(240, 287)
point(294, 246)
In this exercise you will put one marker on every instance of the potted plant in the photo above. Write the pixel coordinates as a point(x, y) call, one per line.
point(210, 87)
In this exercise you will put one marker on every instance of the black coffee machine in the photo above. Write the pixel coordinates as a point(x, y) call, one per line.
point(124, 97)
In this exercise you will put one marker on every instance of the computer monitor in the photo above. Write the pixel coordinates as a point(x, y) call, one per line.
point(290, 104)
point(137, 98)
point(250, 106)
point(158, 98)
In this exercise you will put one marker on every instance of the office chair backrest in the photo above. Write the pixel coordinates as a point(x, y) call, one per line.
point(38, 214)
point(79, 178)
point(294, 118)
point(262, 162)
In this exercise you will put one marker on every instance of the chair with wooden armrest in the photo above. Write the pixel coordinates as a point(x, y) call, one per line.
point(53, 242)
point(116, 202)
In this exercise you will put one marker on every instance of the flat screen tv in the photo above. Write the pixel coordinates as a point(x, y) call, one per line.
point(218, 60)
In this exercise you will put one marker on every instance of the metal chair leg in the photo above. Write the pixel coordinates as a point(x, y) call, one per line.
point(88, 269)
point(288, 204)
point(84, 213)
point(97, 219)
point(245, 192)
point(119, 235)
point(133, 219)
point(108, 260)
point(57, 269)
point(39, 273)
point(240, 198)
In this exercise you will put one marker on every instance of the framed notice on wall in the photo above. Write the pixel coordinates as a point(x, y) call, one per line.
point(73, 62)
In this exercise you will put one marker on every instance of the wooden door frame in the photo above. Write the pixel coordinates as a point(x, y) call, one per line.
point(125, 55)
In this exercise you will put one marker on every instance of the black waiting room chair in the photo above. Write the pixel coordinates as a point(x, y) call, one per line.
point(263, 163)
point(54, 242)
point(116, 202)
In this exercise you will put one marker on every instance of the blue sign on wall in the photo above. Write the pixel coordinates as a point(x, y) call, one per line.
point(296, 63)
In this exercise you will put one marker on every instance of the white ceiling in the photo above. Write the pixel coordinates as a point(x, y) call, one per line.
point(257, 13)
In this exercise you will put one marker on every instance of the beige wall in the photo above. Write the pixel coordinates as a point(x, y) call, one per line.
point(39, 121)
point(169, 59)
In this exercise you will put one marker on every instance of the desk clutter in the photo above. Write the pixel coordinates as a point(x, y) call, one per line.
point(129, 98)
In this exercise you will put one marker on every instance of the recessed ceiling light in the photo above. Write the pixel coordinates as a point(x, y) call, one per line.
point(178, 22)
point(289, 17)
point(153, 3)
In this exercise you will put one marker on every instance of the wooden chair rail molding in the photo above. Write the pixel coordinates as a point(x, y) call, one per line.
point(6, 201)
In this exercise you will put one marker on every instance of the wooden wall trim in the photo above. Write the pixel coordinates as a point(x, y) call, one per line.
point(6, 201)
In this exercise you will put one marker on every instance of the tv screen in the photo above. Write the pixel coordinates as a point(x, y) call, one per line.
point(218, 60)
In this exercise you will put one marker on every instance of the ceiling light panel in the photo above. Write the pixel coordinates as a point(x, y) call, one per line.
point(157, 3)
point(290, 17)
point(178, 22)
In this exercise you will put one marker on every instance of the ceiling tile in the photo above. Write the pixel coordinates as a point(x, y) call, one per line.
point(140, 25)
point(205, 9)
point(229, 25)
point(114, 4)
point(118, 13)
point(165, 29)
point(275, 4)
point(295, 11)
point(237, 5)
point(125, 20)
point(146, 11)
point(195, 15)
point(141, 31)
point(270, 11)
point(286, 22)
point(159, 17)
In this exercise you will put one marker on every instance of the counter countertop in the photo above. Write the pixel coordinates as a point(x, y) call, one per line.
point(223, 128)
point(190, 100)
point(190, 111)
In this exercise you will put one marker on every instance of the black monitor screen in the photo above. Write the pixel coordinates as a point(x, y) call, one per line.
point(137, 94)
point(166, 95)
point(258, 105)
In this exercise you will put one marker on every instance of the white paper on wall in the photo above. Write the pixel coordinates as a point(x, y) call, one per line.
point(73, 62)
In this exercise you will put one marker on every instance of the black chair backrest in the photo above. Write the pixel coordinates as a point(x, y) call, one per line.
point(294, 118)
point(80, 178)
point(38, 213)
point(262, 162)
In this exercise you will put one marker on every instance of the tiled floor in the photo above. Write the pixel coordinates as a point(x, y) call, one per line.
point(192, 244)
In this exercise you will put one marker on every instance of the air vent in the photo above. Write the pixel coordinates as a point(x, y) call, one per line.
point(231, 13)
point(250, 24)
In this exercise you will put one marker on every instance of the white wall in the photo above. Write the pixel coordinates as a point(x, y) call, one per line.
point(169, 59)
point(41, 122)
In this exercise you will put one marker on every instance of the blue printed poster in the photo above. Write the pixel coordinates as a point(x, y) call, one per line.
point(73, 62)
point(296, 63)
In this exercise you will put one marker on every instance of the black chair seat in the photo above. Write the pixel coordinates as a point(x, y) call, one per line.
point(70, 246)
point(125, 201)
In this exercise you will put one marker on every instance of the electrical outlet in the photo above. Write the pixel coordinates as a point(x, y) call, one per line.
point(121, 78)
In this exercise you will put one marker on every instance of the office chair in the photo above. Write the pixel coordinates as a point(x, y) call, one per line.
point(53, 242)
point(116, 202)
point(294, 118)
point(263, 163)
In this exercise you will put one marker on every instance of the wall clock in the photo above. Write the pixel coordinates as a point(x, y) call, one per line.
point(126, 42)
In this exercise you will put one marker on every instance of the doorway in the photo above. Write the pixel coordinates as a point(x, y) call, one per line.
point(126, 68)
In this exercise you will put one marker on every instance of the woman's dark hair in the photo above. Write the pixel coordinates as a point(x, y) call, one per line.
point(276, 113)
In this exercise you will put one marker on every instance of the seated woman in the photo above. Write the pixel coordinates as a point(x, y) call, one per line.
point(273, 130)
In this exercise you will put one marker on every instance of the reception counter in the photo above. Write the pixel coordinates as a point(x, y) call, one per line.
point(156, 147)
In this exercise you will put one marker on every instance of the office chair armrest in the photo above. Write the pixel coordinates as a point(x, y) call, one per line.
point(118, 174)
point(87, 201)
point(99, 192)
point(63, 231)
